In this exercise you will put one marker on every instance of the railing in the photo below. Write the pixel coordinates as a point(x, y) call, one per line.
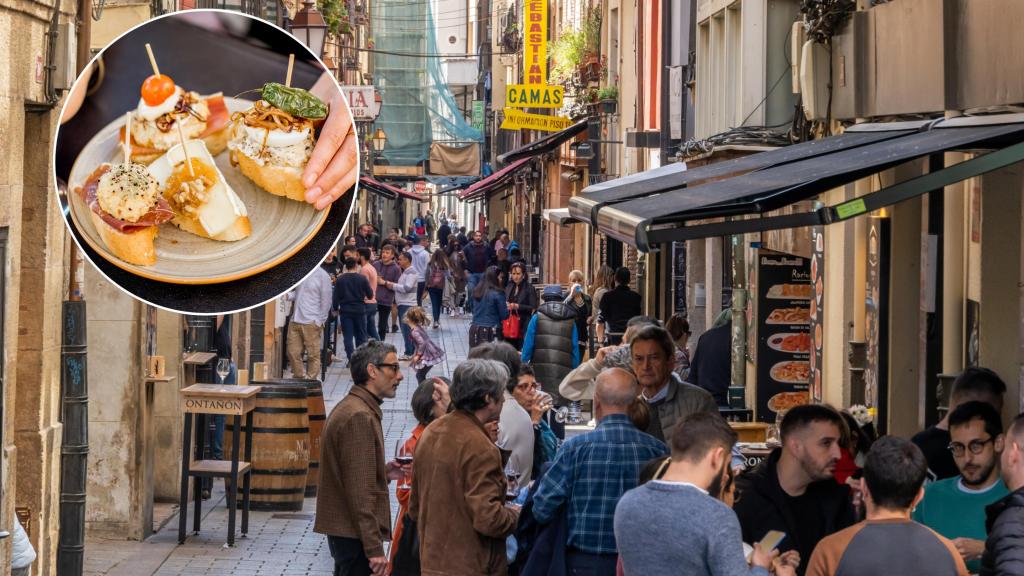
point(598, 178)
point(250, 7)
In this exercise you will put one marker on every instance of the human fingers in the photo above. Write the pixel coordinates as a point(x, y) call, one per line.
point(334, 134)
point(340, 175)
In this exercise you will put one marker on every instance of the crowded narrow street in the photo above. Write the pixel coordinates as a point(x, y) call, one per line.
point(278, 542)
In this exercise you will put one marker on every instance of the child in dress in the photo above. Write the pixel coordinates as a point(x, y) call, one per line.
point(428, 354)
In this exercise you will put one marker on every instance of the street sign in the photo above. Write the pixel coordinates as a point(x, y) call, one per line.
point(517, 120)
point(531, 96)
point(478, 114)
point(361, 101)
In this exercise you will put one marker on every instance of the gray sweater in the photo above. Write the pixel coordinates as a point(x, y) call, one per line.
point(670, 529)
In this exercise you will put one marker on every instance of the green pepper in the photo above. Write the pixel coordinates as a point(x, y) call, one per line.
point(295, 101)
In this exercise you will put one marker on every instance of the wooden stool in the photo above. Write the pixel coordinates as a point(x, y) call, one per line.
point(201, 400)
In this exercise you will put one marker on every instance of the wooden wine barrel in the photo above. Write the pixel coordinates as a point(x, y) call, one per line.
point(280, 447)
point(317, 419)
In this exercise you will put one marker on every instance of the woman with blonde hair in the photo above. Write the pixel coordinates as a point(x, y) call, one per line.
point(604, 281)
point(581, 301)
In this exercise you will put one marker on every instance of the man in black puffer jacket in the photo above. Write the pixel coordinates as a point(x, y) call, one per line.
point(550, 343)
point(1004, 549)
point(793, 489)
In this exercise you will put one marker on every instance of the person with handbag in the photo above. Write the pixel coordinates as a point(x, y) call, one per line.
point(438, 271)
point(522, 302)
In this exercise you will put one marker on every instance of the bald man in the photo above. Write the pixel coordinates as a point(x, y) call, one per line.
point(1004, 549)
point(593, 470)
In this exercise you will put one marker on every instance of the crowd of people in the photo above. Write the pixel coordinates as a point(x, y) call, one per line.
point(489, 484)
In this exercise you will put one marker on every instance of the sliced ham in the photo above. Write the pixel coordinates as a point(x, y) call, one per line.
point(161, 212)
point(218, 119)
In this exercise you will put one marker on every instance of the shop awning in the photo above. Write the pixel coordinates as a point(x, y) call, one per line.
point(387, 190)
point(558, 216)
point(545, 144)
point(495, 181)
point(661, 205)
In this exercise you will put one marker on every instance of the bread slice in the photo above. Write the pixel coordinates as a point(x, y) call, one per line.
point(223, 215)
point(132, 247)
point(278, 180)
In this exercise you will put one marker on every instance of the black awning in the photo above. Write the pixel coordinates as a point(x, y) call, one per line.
point(663, 217)
point(499, 179)
point(545, 144)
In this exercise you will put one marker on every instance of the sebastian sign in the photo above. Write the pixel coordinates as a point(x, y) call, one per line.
point(535, 42)
point(361, 101)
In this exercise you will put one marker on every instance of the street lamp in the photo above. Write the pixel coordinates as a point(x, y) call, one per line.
point(378, 140)
point(310, 27)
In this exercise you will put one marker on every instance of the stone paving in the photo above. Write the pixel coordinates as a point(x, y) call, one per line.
point(278, 543)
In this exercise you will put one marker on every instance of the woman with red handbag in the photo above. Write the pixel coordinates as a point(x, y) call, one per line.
point(522, 302)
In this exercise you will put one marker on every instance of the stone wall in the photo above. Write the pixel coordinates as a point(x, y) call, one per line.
point(30, 446)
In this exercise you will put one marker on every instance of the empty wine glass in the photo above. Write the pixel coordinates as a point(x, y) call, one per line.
point(403, 455)
point(223, 368)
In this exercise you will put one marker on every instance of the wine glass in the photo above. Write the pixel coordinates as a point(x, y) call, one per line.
point(403, 455)
point(512, 475)
point(223, 368)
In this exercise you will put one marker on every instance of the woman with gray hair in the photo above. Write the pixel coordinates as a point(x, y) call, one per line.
point(458, 500)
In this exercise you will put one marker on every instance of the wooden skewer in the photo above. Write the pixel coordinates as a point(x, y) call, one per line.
point(291, 63)
point(152, 60)
point(127, 138)
point(184, 148)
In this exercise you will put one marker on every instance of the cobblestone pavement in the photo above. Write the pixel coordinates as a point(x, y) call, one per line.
point(278, 543)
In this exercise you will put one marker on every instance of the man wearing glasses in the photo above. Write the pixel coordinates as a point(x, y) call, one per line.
point(353, 507)
point(955, 507)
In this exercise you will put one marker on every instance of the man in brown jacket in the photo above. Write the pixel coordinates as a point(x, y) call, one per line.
point(353, 508)
point(458, 497)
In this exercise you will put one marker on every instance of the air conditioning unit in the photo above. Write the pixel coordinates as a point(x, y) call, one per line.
point(814, 79)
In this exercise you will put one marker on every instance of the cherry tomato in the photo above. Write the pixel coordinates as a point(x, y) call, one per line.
point(156, 89)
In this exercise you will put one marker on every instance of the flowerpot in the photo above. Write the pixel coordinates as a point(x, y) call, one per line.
point(608, 105)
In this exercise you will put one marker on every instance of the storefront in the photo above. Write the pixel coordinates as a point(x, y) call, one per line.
point(863, 214)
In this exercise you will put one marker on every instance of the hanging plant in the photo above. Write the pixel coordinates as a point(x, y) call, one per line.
point(334, 13)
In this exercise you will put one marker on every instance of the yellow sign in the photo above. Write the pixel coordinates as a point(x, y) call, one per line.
point(530, 96)
point(517, 120)
point(535, 42)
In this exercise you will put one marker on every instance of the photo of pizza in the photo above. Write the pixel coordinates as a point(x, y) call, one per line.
point(792, 372)
point(795, 315)
point(790, 292)
point(786, 400)
point(797, 343)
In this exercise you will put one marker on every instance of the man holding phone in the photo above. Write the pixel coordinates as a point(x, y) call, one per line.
point(709, 542)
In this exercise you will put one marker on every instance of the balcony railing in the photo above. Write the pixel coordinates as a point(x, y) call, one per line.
point(250, 7)
point(598, 178)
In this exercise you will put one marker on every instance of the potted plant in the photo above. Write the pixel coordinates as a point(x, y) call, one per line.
point(609, 98)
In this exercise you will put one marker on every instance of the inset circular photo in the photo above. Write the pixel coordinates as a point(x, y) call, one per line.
point(206, 161)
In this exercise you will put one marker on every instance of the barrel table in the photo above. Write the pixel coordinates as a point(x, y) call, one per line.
point(279, 435)
point(198, 401)
point(317, 419)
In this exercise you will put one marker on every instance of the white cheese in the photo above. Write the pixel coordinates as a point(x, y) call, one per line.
point(148, 112)
point(277, 138)
point(127, 192)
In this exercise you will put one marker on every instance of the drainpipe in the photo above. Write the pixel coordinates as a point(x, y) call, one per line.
point(74, 385)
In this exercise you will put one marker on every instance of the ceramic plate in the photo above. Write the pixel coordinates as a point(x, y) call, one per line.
point(280, 227)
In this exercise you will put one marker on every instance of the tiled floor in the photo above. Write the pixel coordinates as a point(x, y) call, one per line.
point(278, 543)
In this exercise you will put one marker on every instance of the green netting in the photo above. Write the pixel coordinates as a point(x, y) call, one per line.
point(418, 106)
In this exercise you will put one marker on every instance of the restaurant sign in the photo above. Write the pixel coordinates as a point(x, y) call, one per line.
point(516, 120)
point(784, 298)
point(361, 101)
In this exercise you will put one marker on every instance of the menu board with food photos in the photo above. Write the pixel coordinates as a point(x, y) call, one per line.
point(817, 309)
point(785, 295)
